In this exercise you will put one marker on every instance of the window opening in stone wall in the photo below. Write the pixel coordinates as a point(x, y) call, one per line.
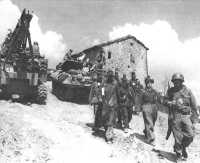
point(109, 55)
point(132, 59)
point(131, 44)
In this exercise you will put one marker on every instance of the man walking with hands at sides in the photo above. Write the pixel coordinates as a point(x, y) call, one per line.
point(149, 110)
point(182, 105)
point(95, 99)
point(125, 98)
point(110, 104)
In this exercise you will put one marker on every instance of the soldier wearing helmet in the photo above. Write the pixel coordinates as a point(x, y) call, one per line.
point(182, 104)
point(110, 104)
point(177, 76)
point(68, 55)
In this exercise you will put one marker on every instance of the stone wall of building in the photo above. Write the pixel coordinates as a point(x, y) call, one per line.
point(127, 56)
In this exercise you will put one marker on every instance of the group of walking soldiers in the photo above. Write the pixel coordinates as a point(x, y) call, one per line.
point(113, 102)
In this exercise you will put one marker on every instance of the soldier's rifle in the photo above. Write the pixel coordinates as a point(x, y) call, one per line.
point(170, 116)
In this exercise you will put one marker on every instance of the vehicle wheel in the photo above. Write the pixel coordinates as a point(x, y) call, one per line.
point(41, 94)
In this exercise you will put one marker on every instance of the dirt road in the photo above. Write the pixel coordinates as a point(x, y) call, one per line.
point(60, 132)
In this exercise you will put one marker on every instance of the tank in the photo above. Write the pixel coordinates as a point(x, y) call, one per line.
point(23, 70)
point(72, 81)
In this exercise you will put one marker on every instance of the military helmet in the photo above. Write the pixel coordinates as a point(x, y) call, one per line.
point(110, 73)
point(148, 79)
point(177, 76)
point(124, 77)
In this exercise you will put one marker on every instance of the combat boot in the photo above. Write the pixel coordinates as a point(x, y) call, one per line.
point(179, 157)
point(109, 135)
point(145, 133)
point(184, 154)
point(95, 129)
point(152, 142)
point(119, 124)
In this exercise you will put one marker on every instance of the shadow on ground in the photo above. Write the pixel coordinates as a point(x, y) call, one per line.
point(167, 155)
point(141, 137)
point(98, 133)
point(90, 125)
point(161, 154)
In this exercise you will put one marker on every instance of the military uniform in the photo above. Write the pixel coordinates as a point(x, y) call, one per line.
point(138, 97)
point(95, 99)
point(125, 101)
point(182, 127)
point(134, 92)
point(135, 99)
point(118, 84)
point(182, 106)
point(150, 111)
point(110, 104)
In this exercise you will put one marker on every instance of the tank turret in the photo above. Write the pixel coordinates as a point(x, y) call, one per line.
point(72, 80)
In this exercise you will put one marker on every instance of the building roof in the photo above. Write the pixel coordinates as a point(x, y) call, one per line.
point(118, 40)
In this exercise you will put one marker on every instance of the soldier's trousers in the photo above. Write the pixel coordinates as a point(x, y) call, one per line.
point(138, 101)
point(150, 113)
point(98, 115)
point(108, 116)
point(183, 132)
point(109, 121)
point(125, 115)
point(119, 117)
point(130, 113)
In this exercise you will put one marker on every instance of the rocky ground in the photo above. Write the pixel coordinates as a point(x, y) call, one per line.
point(60, 132)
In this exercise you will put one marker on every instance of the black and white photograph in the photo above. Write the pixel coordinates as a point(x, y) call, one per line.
point(99, 81)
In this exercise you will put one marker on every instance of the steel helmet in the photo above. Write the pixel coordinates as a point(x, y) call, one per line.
point(148, 79)
point(110, 73)
point(177, 76)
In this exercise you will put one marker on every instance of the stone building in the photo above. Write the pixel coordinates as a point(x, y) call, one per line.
point(126, 54)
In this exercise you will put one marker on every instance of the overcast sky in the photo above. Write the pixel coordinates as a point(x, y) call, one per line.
point(80, 21)
point(169, 28)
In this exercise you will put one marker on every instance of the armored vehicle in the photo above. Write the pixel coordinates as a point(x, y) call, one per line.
point(71, 81)
point(23, 70)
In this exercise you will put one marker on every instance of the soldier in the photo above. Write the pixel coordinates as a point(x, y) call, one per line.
point(99, 63)
point(109, 94)
point(181, 103)
point(132, 85)
point(116, 76)
point(117, 82)
point(138, 97)
point(133, 81)
point(95, 99)
point(68, 55)
point(149, 110)
point(133, 78)
point(125, 99)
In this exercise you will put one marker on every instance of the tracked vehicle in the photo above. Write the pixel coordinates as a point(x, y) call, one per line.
point(23, 70)
point(70, 82)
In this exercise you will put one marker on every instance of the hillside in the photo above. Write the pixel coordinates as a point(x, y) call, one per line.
point(60, 132)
